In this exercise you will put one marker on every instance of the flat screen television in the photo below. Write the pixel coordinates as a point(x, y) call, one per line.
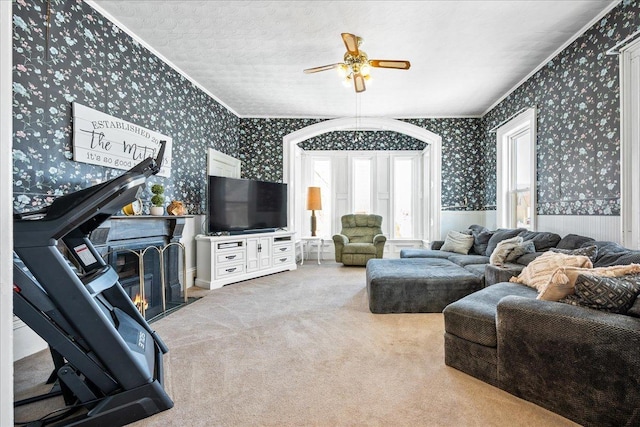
point(245, 205)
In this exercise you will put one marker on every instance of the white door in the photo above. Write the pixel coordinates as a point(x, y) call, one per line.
point(220, 164)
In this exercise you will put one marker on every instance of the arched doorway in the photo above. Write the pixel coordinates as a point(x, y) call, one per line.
point(431, 157)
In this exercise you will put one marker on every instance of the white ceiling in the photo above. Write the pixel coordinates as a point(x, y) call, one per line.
point(465, 55)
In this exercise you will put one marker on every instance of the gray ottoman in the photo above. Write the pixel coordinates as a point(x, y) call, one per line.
point(417, 285)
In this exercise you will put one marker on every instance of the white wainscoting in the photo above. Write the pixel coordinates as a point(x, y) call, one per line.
point(461, 220)
point(598, 227)
point(25, 341)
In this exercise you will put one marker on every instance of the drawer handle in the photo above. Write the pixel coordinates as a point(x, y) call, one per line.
point(230, 270)
point(283, 259)
point(230, 256)
point(283, 249)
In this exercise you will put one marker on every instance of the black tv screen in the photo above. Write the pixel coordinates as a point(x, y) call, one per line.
point(242, 205)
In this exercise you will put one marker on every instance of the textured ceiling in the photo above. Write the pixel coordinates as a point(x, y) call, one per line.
point(465, 55)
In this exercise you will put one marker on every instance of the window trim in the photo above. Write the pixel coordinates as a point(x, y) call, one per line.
point(629, 149)
point(504, 167)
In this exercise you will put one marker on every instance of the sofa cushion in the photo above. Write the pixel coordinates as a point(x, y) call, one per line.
point(499, 235)
point(631, 257)
point(481, 237)
point(424, 253)
point(635, 309)
point(563, 280)
point(613, 294)
point(457, 242)
point(543, 240)
point(501, 273)
point(359, 248)
point(527, 258)
point(473, 317)
point(610, 253)
point(539, 271)
point(416, 285)
point(573, 241)
point(590, 251)
point(477, 269)
point(463, 260)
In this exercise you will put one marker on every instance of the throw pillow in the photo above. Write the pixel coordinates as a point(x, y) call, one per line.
point(588, 251)
point(613, 294)
point(573, 241)
point(539, 271)
point(543, 240)
point(457, 242)
point(563, 280)
point(504, 248)
point(500, 235)
point(481, 238)
point(526, 247)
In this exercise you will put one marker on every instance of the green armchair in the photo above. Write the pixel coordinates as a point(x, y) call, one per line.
point(360, 240)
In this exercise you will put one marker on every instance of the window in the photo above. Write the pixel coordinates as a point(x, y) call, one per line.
point(361, 186)
point(403, 193)
point(516, 170)
point(387, 183)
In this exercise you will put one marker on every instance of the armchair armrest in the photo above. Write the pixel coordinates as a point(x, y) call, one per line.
point(378, 241)
point(339, 240)
point(578, 362)
point(379, 238)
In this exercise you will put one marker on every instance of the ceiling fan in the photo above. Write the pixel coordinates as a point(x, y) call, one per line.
point(357, 65)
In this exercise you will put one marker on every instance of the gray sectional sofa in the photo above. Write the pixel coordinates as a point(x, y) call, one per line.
point(579, 362)
point(427, 280)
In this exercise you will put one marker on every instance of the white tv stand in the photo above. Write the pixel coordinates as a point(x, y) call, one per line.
point(221, 260)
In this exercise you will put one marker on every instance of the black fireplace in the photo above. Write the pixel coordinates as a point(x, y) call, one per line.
point(146, 254)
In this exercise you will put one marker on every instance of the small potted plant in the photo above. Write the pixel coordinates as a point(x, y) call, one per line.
point(157, 200)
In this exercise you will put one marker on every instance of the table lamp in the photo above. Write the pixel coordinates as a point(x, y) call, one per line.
point(314, 203)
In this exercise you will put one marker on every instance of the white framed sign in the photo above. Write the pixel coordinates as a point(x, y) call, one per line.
point(101, 139)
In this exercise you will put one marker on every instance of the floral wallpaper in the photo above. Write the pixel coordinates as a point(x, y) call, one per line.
point(86, 58)
point(261, 152)
point(576, 95)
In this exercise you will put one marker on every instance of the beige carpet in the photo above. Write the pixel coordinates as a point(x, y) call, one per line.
point(302, 349)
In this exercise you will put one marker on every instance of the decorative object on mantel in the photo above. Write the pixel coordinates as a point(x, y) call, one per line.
point(314, 203)
point(157, 200)
point(133, 208)
point(176, 208)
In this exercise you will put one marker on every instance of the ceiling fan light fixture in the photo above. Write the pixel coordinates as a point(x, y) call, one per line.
point(356, 66)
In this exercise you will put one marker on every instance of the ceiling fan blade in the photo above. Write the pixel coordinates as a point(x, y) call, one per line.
point(389, 63)
point(322, 68)
point(358, 82)
point(351, 42)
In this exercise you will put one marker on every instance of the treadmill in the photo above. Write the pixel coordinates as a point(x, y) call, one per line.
point(108, 361)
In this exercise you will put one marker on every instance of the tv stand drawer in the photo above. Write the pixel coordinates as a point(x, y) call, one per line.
point(282, 249)
point(230, 257)
point(229, 270)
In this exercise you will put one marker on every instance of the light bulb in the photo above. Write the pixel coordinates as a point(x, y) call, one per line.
point(365, 70)
point(343, 70)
